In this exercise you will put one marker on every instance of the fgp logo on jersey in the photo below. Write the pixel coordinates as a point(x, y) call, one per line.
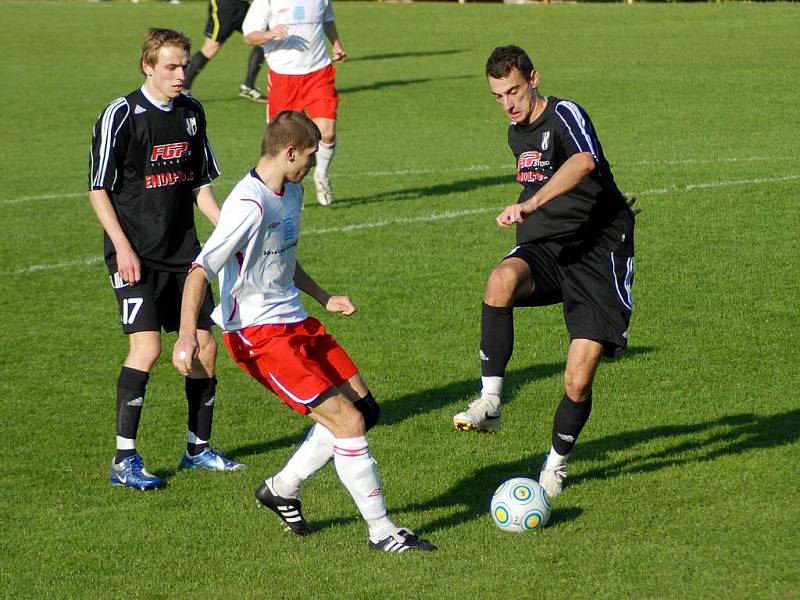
point(169, 151)
point(191, 125)
point(288, 230)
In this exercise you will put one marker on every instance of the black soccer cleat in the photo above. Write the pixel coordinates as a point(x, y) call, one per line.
point(288, 509)
point(400, 541)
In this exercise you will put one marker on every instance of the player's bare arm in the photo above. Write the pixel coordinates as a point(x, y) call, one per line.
point(335, 304)
point(207, 203)
point(187, 347)
point(259, 38)
point(337, 50)
point(128, 265)
point(575, 168)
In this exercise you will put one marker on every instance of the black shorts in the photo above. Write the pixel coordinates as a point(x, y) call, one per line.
point(225, 17)
point(594, 285)
point(155, 302)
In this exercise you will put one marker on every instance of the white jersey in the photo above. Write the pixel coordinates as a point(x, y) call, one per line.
point(304, 50)
point(252, 251)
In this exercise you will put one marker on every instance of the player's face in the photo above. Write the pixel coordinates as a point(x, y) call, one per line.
point(516, 93)
point(165, 78)
point(301, 163)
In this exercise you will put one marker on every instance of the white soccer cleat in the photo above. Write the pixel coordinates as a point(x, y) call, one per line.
point(482, 414)
point(324, 191)
point(552, 479)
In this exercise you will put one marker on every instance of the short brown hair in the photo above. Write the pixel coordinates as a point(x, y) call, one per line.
point(289, 128)
point(156, 38)
point(506, 58)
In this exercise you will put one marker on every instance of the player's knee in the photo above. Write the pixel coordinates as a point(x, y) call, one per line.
point(144, 352)
point(500, 286)
point(578, 387)
point(354, 424)
point(369, 410)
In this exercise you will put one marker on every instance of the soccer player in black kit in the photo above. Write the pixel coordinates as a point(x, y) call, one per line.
point(150, 163)
point(574, 231)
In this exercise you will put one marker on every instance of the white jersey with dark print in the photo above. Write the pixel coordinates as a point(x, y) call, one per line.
point(252, 251)
point(304, 50)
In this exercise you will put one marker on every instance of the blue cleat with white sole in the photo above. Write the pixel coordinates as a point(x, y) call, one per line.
point(211, 459)
point(131, 473)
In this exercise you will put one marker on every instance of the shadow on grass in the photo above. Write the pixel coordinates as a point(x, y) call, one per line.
point(727, 436)
point(391, 55)
point(442, 189)
point(390, 83)
point(418, 403)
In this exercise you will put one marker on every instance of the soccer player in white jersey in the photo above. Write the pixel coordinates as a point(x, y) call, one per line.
point(269, 334)
point(301, 76)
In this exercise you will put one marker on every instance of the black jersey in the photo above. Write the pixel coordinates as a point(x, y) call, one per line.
point(593, 209)
point(150, 161)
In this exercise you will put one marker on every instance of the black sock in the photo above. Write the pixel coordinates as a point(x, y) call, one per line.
point(196, 65)
point(201, 395)
point(369, 409)
point(497, 339)
point(254, 63)
point(131, 385)
point(569, 419)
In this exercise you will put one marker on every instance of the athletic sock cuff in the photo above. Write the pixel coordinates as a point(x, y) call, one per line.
point(498, 310)
point(133, 379)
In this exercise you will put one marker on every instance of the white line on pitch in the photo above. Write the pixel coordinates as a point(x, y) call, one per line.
point(462, 169)
point(429, 218)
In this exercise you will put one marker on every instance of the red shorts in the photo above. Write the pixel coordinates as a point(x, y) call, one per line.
point(296, 361)
point(313, 92)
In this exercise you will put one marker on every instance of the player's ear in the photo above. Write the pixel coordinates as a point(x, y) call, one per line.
point(534, 78)
point(291, 151)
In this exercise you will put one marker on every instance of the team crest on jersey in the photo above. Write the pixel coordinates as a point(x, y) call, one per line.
point(299, 13)
point(545, 140)
point(288, 230)
point(191, 125)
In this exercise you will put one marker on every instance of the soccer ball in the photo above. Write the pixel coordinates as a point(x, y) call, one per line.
point(520, 504)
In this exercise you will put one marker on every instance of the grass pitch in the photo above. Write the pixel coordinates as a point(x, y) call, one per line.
point(684, 482)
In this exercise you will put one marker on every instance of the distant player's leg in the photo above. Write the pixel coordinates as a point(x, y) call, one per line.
point(199, 61)
point(572, 412)
point(510, 280)
point(248, 89)
point(322, 102)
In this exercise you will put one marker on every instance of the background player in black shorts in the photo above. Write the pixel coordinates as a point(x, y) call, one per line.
point(225, 17)
point(150, 163)
point(575, 247)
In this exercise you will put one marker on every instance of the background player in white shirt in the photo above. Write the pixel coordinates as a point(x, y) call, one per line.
point(301, 76)
point(270, 335)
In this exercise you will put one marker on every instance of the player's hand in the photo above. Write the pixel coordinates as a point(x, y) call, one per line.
point(514, 214)
point(340, 304)
point(184, 352)
point(631, 201)
point(128, 265)
point(279, 32)
point(339, 54)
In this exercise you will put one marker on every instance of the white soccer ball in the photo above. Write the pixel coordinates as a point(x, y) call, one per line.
point(520, 504)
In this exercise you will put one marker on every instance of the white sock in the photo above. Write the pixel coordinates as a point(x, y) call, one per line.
point(555, 460)
point(125, 443)
point(324, 158)
point(313, 454)
point(358, 471)
point(491, 386)
point(193, 439)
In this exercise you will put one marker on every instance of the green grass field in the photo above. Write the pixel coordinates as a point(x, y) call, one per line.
point(684, 483)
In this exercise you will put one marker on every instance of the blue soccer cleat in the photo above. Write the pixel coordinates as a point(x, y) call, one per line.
point(211, 459)
point(131, 473)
